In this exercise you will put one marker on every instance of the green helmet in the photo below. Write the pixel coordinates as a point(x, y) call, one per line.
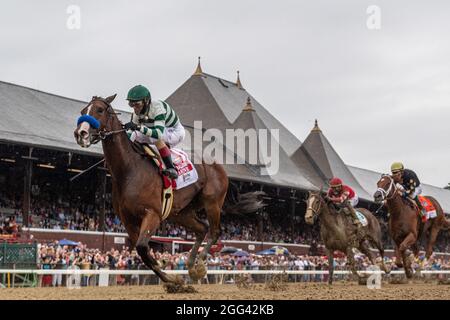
point(397, 166)
point(138, 92)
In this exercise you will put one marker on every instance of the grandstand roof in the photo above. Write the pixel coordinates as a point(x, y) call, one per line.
point(41, 119)
point(222, 100)
point(327, 161)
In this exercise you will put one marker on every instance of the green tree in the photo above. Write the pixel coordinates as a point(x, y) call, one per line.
point(447, 186)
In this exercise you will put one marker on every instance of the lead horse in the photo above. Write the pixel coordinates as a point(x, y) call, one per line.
point(137, 188)
point(338, 232)
point(405, 225)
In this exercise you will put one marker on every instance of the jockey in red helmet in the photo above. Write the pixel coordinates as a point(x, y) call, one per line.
point(344, 196)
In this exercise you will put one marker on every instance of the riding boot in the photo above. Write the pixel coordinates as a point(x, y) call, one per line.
point(170, 170)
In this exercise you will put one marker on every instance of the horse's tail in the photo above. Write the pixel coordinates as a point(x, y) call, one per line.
point(242, 203)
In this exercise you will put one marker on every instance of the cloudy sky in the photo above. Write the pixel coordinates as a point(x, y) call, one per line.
point(381, 95)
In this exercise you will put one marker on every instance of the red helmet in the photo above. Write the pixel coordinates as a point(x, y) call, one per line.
point(335, 182)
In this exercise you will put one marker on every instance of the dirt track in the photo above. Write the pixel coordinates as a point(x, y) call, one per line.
point(296, 291)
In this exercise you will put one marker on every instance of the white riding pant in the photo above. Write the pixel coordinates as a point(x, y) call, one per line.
point(171, 136)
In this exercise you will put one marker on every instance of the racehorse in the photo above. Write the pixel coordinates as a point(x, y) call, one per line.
point(405, 224)
point(137, 188)
point(338, 232)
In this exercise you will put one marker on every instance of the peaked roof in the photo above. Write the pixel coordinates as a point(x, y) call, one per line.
point(287, 170)
point(325, 161)
point(38, 118)
point(218, 103)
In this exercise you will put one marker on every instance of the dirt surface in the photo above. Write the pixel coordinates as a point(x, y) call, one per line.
point(296, 291)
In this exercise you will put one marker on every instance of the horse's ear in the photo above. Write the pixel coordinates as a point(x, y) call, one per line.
point(111, 98)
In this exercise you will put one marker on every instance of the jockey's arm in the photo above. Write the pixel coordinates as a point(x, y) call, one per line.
point(339, 199)
point(157, 130)
point(158, 114)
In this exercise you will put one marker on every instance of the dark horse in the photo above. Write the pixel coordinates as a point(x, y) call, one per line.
point(137, 188)
point(405, 225)
point(338, 232)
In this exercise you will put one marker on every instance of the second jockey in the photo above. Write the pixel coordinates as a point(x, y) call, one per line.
point(345, 197)
point(154, 122)
point(409, 181)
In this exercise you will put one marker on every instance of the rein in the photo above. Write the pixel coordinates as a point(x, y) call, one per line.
point(316, 210)
point(385, 193)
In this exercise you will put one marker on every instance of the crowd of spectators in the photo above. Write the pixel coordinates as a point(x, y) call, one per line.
point(55, 256)
point(276, 227)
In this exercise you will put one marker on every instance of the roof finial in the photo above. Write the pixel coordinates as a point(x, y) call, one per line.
point(248, 105)
point(316, 127)
point(238, 81)
point(199, 70)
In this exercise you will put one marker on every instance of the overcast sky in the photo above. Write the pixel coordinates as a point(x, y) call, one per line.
point(380, 95)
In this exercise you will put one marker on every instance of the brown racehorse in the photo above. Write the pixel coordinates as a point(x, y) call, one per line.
point(137, 188)
point(338, 232)
point(405, 225)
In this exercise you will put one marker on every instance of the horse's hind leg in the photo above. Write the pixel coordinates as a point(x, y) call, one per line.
point(351, 261)
point(432, 240)
point(330, 266)
point(149, 225)
point(213, 215)
point(187, 218)
point(377, 242)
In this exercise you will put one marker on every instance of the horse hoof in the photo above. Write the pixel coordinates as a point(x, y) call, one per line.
point(175, 279)
point(198, 272)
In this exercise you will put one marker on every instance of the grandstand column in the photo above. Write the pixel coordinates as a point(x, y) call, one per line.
point(292, 207)
point(27, 186)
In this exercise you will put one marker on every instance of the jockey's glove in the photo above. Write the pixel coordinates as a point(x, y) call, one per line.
point(131, 126)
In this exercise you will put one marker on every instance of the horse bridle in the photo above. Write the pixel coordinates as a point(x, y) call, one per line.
point(392, 186)
point(103, 134)
point(319, 201)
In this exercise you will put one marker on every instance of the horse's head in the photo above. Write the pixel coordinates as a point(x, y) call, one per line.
point(314, 204)
point(94, 119)
point(386, 188)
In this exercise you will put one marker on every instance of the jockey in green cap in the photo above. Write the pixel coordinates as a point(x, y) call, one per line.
point(154, 122)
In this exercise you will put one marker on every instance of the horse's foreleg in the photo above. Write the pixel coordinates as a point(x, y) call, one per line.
point(409, 240)
point(149, 225)
point(398, 257)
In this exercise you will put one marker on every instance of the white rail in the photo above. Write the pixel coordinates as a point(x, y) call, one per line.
point(211, 272)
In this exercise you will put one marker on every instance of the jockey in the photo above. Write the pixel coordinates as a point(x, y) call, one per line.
point(409, 181)
point(342, 195)
point(154, 122)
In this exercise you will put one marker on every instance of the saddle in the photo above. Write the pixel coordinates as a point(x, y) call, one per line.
point(168, 184)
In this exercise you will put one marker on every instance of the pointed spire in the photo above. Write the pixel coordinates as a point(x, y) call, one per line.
point(248, 105)
point(238, 81)
point(316, 127)
point(199, 70)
